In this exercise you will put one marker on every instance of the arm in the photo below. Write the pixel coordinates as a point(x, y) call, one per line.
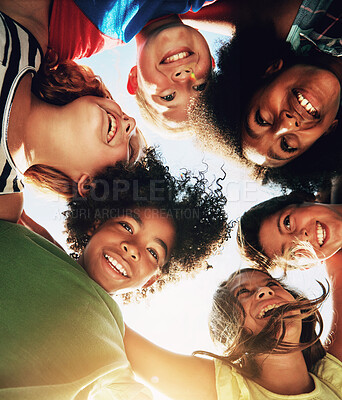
point(11, 206)
point(177, 376)
point(28, 222)
point(222, 16)
point(334, 269)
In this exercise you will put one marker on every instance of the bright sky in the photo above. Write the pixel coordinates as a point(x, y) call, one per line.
point(177, 317)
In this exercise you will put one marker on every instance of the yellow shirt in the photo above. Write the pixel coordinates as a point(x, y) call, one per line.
point(327, 377)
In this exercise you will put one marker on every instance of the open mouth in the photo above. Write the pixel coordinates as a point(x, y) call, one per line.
point(112, 127)
point(321, 233)
point(116, 266)
point(176, 57)
point(265, 312)
point(305, 103)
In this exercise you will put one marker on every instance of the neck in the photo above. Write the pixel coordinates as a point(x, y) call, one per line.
point(43, 136)
point(291, 367)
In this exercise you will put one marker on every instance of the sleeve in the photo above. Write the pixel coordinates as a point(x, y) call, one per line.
point(120, 385)
point(329, 370)
point(9, 180)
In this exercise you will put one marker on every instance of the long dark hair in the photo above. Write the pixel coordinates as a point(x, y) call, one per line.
point(240, 346)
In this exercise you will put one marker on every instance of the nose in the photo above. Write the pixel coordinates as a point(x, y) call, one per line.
point(303, 234)
point(264, 292)
point(288, 121)
point(182, 73)
point(128, 123)
point(131, 251)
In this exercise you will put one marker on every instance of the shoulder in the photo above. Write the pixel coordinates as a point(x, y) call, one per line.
point(229, 383)
point(329, 371)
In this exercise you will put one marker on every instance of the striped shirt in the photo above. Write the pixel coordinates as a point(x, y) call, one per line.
point(318, 24)
point(20, 53)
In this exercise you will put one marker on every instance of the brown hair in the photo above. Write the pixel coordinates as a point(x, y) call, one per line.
point(59, 85)
point(240, 346)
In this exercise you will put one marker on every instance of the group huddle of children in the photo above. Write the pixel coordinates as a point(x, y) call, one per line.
point(273, 104)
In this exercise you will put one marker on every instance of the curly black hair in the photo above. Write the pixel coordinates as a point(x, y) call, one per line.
point(198, 212)
point(242, 64)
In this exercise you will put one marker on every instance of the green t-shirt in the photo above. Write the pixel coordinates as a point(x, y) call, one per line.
point(61, 334)
point(327, 377)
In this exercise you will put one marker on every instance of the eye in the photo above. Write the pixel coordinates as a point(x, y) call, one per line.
point(126, 226)
point(169, 97)
point(259, 119)
point(201, 87)
point(285, 146)
point(153, 253)
point(286, 222)
point(241, 291)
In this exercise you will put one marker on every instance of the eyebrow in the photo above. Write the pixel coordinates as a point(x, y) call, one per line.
point(282, 248)
point(249, 130)
point(163, 245)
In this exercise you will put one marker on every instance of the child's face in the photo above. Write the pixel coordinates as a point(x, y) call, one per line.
point(318, 224)
point(102, 134)
point(125, 252)
point(287, 115)
point(256, 291)
point(173, 65)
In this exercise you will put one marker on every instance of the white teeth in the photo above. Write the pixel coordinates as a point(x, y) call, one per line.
point(112, 128)
point(320, 233)
point(306, 104)
point(176, 57)
point(115, 265)
point(267, 308)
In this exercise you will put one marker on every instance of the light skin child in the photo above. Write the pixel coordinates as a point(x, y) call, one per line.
point(187, 377)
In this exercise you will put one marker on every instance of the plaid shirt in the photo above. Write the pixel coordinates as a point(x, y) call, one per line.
point(318, 24)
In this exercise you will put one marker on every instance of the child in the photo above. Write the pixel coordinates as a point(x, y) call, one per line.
point(270, 347)
point(46, 117)
point(283, 107)
point(181, 63)
point(128, 203)
point(132, 226)
point(273, 228)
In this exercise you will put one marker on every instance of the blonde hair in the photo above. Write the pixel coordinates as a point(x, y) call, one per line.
point(155, 120)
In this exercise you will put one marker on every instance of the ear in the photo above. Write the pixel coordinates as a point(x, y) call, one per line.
point(213, 64)
point(331, 128)
point(132, 83)
point(151, 281)
point(93, 229)
point(274, 67)
point(84, 185)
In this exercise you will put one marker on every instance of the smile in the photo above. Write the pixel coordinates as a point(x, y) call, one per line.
point(263, 312)
point(176, 57)
point(112, 127)
point(308, 107)
point(321, 233)
point(116, 266)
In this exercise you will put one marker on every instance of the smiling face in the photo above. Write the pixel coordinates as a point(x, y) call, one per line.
point(319, 224)
point(126, 251)
point(287, 115)
point(173, 65)
point(258, 294)
point(100, 135)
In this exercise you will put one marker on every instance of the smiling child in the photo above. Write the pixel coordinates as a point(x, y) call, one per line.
point(157, 228)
